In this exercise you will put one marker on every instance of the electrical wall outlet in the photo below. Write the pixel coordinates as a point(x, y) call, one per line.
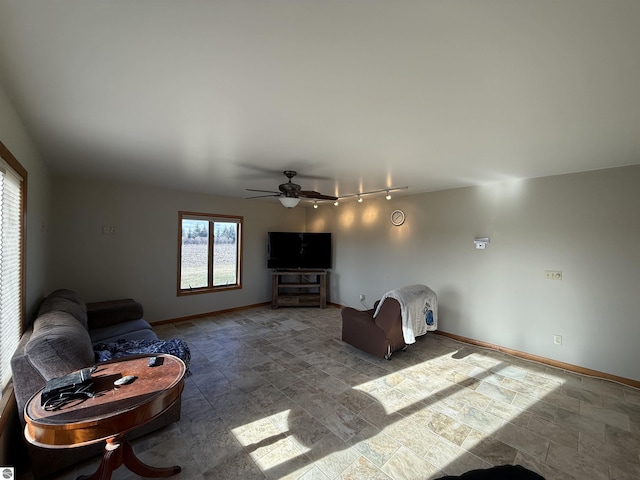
point(362, 297)
point(553, 275)
point(557, 339)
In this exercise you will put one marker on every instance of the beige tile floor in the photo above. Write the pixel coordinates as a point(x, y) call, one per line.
point(276, 394)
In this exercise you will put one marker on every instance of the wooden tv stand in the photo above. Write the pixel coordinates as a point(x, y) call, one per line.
point(299, 288)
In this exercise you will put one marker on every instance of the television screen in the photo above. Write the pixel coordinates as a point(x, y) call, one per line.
point(297, 250)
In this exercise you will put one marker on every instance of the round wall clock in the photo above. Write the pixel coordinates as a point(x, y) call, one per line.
point(397, 217)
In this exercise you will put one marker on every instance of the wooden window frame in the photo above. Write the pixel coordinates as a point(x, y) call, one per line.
point(211, 217)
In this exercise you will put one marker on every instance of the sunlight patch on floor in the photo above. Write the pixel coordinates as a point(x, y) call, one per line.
point(441, 409)
point(269, 447)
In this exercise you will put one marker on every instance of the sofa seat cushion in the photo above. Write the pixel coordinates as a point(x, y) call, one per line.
point(59, 345)
point(132, 330)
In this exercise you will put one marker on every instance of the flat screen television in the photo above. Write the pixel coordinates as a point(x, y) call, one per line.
point(298, 250)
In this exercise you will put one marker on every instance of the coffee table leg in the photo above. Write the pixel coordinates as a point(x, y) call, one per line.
point(111, 460)
point(118, 452)
point(134, 464)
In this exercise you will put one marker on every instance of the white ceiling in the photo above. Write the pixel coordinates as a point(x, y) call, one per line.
point(219, 96)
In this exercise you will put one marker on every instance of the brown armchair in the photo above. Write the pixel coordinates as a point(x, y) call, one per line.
point(380, 336)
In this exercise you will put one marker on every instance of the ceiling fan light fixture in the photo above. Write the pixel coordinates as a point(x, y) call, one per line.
point(289, 202)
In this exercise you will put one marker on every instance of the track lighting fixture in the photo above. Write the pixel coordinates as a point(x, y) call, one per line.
point(359, 196)
point(362, 194)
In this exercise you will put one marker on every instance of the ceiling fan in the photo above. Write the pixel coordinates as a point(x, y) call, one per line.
point(290, 193)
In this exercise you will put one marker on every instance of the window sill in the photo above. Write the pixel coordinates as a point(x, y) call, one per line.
point(196, 291)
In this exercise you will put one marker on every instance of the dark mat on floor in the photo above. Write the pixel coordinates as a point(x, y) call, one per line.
point(502, 472)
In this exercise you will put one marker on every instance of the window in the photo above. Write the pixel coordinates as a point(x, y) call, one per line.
point(13, 186)
point(210, 252)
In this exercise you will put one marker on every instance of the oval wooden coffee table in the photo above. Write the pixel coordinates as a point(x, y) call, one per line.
point(112, 412)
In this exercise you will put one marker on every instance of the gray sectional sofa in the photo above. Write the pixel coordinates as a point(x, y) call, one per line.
point(61, 341)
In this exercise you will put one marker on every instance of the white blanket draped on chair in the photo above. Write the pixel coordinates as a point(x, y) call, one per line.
point(419, 308)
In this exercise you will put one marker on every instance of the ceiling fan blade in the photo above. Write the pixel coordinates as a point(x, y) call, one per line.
point(314, 177)
point(263, 191)
point(316, 195)
point(292, 190)
point(262, 196)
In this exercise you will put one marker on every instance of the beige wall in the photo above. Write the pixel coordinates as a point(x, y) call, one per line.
point(584, 224)
point(140, 260)
point(14, 136)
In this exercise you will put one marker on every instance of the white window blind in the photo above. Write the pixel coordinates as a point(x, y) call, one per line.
point(10, 268)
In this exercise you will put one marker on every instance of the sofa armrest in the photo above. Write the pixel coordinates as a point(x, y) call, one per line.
point(104, 314)
point(362, 316)
point(389, 316)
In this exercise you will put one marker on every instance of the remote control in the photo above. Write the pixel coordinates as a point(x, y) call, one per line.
point(125, 380)
point(155, 361)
